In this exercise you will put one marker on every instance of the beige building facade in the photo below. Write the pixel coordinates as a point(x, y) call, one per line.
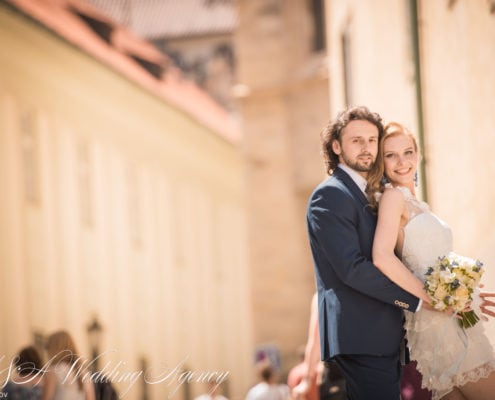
point(283, 98)
point(119, 204)
point(429, 65)
point(275, 50)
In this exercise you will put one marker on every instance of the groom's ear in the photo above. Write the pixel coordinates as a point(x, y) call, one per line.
point(336, 147)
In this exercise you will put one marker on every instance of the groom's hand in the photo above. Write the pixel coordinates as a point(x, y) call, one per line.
point(487, 303)
point(448, 310)
point(428, 306)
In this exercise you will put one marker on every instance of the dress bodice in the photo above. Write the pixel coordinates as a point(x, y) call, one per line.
point(426, 237)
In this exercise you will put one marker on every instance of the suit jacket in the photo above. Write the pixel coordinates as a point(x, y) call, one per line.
point(360, 310)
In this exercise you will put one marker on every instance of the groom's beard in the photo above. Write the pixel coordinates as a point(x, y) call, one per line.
point(363, 163)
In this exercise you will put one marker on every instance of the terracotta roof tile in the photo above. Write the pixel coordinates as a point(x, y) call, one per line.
point(155, 19)
point(124, 53)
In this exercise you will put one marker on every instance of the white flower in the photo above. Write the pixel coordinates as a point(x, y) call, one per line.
point(447, 276)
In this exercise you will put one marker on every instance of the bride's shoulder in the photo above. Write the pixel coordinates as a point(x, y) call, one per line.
point(395, 194)
point(391, 199)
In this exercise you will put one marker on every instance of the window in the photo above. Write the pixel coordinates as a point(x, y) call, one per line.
point(346, 66)
point(319, 39)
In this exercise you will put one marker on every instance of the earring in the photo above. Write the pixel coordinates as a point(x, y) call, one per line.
point(416, 179)
point(384, 180)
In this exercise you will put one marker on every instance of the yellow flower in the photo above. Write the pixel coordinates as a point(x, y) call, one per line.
point(461, 305)
point(440, 293)
point(461, 292)
point(475, 275)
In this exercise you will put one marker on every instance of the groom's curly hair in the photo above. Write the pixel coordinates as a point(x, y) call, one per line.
point(333, 131)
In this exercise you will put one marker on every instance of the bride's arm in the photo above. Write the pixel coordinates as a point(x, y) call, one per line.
point(390, 211)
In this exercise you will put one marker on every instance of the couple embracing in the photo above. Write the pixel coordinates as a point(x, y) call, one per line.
point(372, 245)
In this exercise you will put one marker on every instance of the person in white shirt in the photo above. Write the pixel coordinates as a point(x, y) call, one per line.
point(214, 392)
point(268, 388)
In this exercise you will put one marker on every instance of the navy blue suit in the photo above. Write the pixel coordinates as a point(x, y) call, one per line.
point(360, 309)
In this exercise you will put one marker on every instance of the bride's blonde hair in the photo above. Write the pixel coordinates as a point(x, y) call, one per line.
point(377, 173)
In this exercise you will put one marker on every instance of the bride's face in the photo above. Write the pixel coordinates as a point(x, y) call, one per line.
point(400, 160)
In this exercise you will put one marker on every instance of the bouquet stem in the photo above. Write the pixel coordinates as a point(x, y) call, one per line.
point(468, 320)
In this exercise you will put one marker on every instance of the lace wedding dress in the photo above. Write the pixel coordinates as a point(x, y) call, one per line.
point(447, 355)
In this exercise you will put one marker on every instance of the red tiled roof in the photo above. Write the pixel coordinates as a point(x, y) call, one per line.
point(154, 19)
point(123, 54)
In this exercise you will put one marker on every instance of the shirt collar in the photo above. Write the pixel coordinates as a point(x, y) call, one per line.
point(355, 176)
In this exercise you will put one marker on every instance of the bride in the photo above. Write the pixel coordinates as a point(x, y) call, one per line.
point(456, 364)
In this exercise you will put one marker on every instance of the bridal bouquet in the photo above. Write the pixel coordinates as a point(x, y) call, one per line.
point(451, 282)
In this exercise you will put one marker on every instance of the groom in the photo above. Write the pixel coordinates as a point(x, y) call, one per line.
point(360, 309)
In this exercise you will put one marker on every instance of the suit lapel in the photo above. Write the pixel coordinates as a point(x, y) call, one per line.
point(351, 185)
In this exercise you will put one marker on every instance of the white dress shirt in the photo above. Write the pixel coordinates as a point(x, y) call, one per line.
point(356, 177)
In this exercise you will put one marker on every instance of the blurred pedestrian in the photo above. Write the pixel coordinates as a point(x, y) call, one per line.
point(410, 384)
point(319, 380)
point(214, 392)
point(298, 378)
point(27, 379)
point(63, 379)
point(268, 388)
point(305, 378)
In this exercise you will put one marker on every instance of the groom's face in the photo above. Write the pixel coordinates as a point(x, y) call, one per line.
point(358, 146)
